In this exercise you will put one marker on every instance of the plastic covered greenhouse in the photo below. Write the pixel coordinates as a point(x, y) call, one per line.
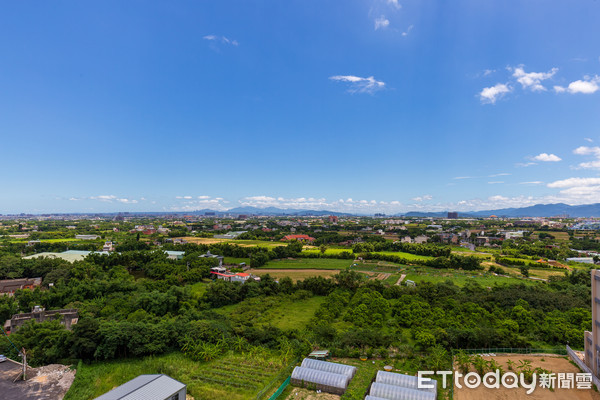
point(393, 392)
point(320, 380)
point(369, 397)
point(347, 370)
point(407, 381)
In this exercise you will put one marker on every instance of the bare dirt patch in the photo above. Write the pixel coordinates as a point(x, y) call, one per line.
point(50, 382)
point(553, 364)
point(294, 274)
point(305, 394)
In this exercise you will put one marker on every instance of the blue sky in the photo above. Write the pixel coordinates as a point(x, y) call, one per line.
point(359, 106)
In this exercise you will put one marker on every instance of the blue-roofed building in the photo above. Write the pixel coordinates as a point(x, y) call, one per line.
point(148, 387)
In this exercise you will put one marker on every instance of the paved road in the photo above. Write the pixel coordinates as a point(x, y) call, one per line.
point(29, 390)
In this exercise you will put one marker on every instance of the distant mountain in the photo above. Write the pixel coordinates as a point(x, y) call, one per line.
point(538, 210)
point(273, 211)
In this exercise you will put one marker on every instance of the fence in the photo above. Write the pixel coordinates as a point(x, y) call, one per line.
point(514, 350)
point(286, 372)
point(582, 366)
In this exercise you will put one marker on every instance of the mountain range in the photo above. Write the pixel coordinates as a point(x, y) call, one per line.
point(538, 210)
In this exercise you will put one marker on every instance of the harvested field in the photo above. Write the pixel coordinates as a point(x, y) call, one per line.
point(551, 363)
point(294, 274)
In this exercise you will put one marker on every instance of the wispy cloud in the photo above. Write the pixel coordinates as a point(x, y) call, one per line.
point(426, 197)
point(545, 157)
point(531, 183)
point(407, 31)
point(500, 174)
point(490, 95)
point(221, 39)
point(381, 22)
point(495, 182)
point(525, 164)
point(587, 139)
point(588, 85)
point(358, 84)
point(532, 80)
point(394, 3)
point(463, 177)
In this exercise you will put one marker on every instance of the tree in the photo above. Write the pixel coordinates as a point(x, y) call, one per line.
point(524, 271)
point(322, 249)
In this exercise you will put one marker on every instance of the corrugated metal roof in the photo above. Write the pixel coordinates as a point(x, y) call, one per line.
point(145, 387)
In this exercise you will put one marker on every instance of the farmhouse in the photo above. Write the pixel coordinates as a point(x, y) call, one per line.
point(174, 255)
point(300, 238)
point(210, 255)
point(9, 286)
point(66, 317)
point(148, 387)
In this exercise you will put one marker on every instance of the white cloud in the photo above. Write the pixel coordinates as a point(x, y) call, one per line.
point(394, 3)
point(204, 197)
point(532, 80)
point(573, 182)
point(463, 177)
point(527, 164)
point(531, 183)
point(222, 39)
point(500, 174)
point(359, 84)
point(488, 72)
point(586, 151)
point(588, 85)
point(381, 22)
point(495, 182)
point(545, 157)
point(405, 33)
point(587, 139)
point(426, 197)
point(489, 95)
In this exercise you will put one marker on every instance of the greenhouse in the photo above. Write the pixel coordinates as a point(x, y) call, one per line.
point(326, 366)
point(369, 397)
point(320, 380)
point(407, 381)
point(392, 392)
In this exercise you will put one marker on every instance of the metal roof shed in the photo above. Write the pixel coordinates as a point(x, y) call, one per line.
point(392, 392)
point(148, 387)
point(320, 380)
point(327, 366)
point(407, 381)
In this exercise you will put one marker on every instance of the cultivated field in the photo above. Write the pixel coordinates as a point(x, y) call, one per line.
point(294, 274)
point(244, 243)
point(308, 263)
point(554, 364)
point(232, 377)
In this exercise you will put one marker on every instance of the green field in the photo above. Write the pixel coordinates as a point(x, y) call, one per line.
point(460, 278)
point(308, 263)
point(234, 260)
point(407, 256)
point(284, 312)
point(232, 377)
point(53, 240)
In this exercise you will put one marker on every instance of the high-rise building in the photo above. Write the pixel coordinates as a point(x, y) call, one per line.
point(452, 215)
point(592, 339)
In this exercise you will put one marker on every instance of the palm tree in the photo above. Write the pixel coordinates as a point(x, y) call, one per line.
point(480, 365)
point(511, 364)
point(464, 361)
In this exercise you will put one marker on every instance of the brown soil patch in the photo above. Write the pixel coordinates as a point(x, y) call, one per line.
point(554, 364)
point(305, 394)
point(294, 274)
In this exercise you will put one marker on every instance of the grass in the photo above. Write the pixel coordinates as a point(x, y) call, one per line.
point(407, 256)
point(460, 278)
point(308, 263)
point(51, 240)
point(198, 289)
point(232, 377)
point(243, 243)
point(284, 312)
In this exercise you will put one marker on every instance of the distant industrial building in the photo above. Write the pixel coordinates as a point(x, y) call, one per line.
point(87, 237)
point(66, 317)
point(148, 387)
point(69, 255)
point(452, 215)
point(230, 235)
point(585, 260)
point(174, 255)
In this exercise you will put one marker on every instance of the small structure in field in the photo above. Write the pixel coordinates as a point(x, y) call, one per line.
point(148, 387)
